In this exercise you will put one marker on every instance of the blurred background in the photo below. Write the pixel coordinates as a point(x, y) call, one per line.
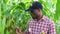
point(12, 14)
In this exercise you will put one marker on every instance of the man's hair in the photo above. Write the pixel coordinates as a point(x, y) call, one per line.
point(35, 5)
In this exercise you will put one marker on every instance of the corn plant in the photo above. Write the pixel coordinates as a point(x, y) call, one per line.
point(12, 14)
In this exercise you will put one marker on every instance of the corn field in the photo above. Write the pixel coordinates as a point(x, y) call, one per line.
point(12, 14)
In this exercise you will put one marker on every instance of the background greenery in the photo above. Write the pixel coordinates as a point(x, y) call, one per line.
point(12, 14)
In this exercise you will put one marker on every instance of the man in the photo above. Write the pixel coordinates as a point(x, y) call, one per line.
point(39, 24)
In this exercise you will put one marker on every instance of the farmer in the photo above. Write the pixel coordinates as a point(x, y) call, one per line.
point(39, 23)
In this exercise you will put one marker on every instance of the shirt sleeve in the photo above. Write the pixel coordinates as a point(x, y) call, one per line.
point(27, 29)
point(52, 28)
point(27, 32)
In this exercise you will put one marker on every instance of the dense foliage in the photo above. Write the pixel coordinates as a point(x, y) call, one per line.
point(12, 14)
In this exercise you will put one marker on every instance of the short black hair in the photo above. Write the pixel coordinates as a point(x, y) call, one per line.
point(35, 5)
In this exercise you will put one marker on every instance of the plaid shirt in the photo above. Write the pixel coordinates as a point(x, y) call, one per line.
point(43, 26)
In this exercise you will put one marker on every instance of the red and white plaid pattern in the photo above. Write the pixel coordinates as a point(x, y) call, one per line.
point(44, 25)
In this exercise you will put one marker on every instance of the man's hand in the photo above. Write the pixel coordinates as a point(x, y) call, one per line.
point(18, 30)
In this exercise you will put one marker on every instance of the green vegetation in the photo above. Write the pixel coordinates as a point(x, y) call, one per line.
point(12, 14)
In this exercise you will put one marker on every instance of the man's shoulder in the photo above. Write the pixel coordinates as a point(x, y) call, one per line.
point(48, 20)
point(29, 20)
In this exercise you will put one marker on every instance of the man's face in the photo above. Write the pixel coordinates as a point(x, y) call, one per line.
point(35, 13)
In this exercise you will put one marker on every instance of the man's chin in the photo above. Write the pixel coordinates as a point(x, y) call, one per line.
point(34, 18)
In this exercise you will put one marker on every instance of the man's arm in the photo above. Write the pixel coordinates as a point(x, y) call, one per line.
point(52, 28)
point(18, 31)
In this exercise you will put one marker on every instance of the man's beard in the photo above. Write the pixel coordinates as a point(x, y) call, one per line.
point(34, 17)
